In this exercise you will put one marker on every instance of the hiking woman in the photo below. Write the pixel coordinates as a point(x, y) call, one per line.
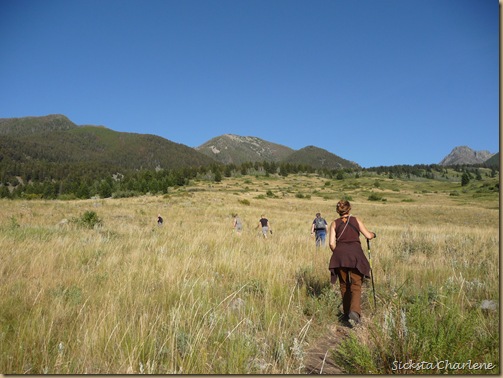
point(236, 224)
point(348, 262)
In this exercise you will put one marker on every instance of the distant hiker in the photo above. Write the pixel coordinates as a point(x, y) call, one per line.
point(348, 261)
point(237, 226)
point(319, 229)
point(266, 226)
point(159, 220)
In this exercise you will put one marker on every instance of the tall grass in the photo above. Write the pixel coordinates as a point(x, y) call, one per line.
point(432, 285)
point(127, 296)
point(188, 297)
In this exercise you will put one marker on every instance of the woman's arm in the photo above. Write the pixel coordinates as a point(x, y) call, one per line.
point(331, 237)
point(369, 235)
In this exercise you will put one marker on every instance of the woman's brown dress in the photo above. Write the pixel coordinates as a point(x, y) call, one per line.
point(348, 252)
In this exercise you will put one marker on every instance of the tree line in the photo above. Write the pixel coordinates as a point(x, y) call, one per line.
point(48, 180)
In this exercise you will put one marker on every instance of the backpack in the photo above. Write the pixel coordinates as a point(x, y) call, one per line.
point(319, 223)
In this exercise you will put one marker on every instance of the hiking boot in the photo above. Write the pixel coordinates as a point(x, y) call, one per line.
point(344, 320)
point(343, 317)
point(354, 318)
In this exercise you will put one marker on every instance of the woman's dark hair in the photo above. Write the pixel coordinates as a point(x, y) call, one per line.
point(343, 207)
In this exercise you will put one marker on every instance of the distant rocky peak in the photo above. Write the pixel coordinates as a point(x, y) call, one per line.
point(465, 155)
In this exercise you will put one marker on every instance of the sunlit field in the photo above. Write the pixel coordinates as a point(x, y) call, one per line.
point(118, 294)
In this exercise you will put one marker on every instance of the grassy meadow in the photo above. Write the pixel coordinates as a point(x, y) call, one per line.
point(192, 297)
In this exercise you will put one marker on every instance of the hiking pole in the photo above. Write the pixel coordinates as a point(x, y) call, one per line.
point(371, 274)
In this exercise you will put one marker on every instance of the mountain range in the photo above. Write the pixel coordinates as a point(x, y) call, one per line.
point(55, 139)
point(465, 155)
point(235, 149)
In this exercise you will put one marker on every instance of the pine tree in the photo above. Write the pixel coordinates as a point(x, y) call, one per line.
point(465, 179)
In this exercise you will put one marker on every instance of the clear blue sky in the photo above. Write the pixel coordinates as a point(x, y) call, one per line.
point(377, 82)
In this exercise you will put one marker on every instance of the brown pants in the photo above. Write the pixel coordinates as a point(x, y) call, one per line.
point(350, 280)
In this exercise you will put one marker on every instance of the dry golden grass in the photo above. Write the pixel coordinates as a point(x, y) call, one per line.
point(192, 296)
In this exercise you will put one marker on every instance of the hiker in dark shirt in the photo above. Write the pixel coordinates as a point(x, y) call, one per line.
point(348, 262)
point(319, 229)
point(265, 225)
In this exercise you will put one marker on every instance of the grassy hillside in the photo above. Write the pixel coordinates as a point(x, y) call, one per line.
point(96, 287)
point(17, 127)
point(319, 158)
point(54, 139)
point(134, 150)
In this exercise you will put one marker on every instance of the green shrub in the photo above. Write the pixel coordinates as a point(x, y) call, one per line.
point(375, 197)
point(125, 194)
point(355, 358)
point(300, 195)
point(13, 223)
point(31, 196)
point(89, 220)
point(347, 197)
point(67, 197)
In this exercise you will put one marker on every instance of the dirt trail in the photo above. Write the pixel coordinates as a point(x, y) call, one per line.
point(319, 357)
